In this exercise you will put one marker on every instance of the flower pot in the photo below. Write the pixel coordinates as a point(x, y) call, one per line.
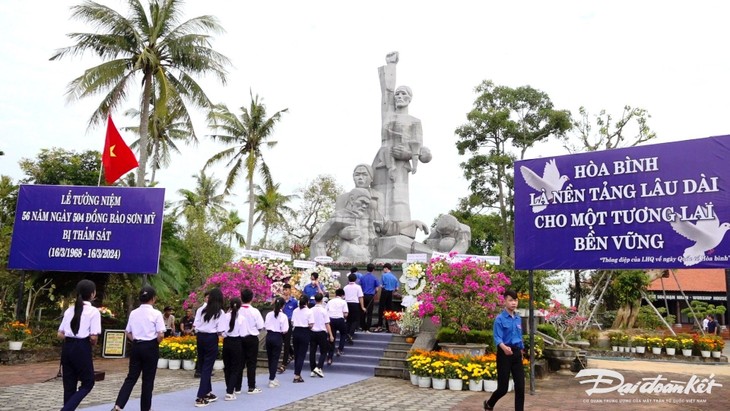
point(475, 385)
point(620, 349)
point(163, 363)
point(218, 365)
point(511, 386)
point(393, 327)
point(456, 384)
point(414, 379)
point(464, 349)
point(705, 353)
point(671, 351)
point(188, 364)
point(716, 354)
point(632, 349)
point(174, 364)
point(490, 385)
point(424, 382)
point(640, 350)
point(614, 348)
point(656, 350)
point(686, 353)
point(15, 345)
point(438, 383)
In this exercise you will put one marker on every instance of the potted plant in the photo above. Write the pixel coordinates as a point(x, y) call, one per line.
point(671, 344)
point(655, 343)
point(189, 354)
point(686, 344)
point(420, 365)
point(624, 343)
point(410, 322)
point(474, 371)
point(639, 341)
point(490, 376)
point(454, 375)
point(165, 354)
point(705, 345)
point(16, 332)
point(718, 346)
point(438, 374)
point(462, 295)
point(615, 338)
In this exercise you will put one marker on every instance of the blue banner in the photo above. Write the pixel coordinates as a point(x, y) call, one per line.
point(87, 229)
point(655, 206)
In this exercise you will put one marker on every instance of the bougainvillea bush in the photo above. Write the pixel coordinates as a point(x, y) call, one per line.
point(234, 278)
point(463, 296)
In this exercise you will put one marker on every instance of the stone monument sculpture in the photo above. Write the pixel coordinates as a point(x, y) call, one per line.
point(373, 221)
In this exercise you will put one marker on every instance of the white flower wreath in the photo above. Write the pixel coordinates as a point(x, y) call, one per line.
point(413, 281)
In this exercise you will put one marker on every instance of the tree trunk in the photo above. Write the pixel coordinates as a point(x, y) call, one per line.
point(143, 127)
point(249, 232)
point(626, 314)
point(577, 289)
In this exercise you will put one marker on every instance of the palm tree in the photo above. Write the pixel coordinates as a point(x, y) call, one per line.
point(166, 125)
point(152, 45)
point(271, 207)
point(203, 205)
point(228, 228)
point(248, 134)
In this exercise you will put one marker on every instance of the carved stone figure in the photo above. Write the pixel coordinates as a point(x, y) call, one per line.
point(348, 224)
point(449, 235)
point(401, 148)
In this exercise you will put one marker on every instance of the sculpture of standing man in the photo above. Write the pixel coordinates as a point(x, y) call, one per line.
point(401, 148)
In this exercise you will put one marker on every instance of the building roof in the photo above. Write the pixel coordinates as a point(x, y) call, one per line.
point(711, 280)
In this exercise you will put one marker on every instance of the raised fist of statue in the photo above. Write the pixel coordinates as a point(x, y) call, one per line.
point(392, 57)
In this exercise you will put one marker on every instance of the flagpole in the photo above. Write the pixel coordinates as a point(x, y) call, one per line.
point(101, 167)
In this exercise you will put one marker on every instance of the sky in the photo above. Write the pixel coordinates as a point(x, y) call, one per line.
point(319, 59)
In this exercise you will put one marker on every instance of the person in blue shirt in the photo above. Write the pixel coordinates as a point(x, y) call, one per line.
point(353, 270)
point(509, 344)
point(390, 284)
point(314, 287)
point(290, 304)
point(370, 286)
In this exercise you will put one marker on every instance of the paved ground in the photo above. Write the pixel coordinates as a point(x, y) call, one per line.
point(22, 387)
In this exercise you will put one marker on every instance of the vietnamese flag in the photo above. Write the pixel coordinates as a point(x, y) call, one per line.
point(117, 157)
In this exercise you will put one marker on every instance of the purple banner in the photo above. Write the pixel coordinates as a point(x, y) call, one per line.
point(655, 206)
point(87, 229)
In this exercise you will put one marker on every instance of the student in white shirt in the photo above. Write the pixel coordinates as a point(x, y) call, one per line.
point(320, 336)
point(209, 323)
point(338, 311)
point(79, 330)
point(303, 321)
point(252, 323)
point(145, 329)
point(277, 325)
point(232, 349)
point(355, 305)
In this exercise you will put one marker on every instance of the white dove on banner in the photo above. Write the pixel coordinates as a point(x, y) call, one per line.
point(707, 234)
point(550, 181)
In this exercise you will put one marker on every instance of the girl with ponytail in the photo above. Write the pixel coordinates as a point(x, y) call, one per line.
point(303, 321)
point(79, 329)
point(209, 324)
point(277, 325)
point(232, 349)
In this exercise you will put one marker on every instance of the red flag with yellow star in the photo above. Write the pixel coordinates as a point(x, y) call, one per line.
point(117, 157)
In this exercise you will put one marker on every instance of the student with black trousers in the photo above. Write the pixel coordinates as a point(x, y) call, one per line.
point(232, 349)
point(209, 323)
point(251, 324)
point(303, 321)
point(79, 330)
point(145, 329)
point(277, 326)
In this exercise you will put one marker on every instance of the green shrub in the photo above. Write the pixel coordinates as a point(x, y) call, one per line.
point(549, 330)
point(448, 335)
point(591, 335)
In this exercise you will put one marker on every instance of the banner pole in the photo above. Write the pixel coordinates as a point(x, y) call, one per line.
point(531, 320)
point(19, 312)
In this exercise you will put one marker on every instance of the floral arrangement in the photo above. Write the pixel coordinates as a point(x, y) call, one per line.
point(719, 343)
point(393, 315)
point(453, 370)
point(329, 279)
point(438, 369)
point(475, 371)
point(462, 295)
point(410, 321)
point(178, 348)
point(686, 343)
point(615, 338)
point(705, 344)
point(412, 282)
point(566, 320)
point(623, 340)
point(671, 342)
point(639, 341)
point(106, 312)
point(276, 270)
point(17, 331)
point(237, 276)
point(419, 363)
point(654, 342)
